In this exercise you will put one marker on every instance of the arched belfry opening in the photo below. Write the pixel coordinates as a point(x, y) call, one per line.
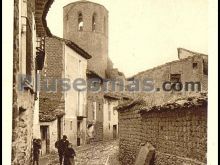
point(94, 22)
point(80, 22)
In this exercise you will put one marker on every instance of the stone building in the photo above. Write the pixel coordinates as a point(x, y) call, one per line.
point(62, 105)
point(191, 67)
point(28, 58)
point(86, 23)
point(177, 130)
point(95, 109)
point(110, 115)
point(102, 121)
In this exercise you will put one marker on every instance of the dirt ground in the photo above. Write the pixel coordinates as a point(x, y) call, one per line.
point(100, 153)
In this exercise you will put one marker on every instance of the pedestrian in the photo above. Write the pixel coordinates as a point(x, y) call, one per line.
point(61, 146)
point(69, 155)
point(36, 150)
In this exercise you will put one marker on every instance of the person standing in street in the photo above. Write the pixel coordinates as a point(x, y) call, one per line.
point(69, 155)
point(61, 146)
point(36, 150)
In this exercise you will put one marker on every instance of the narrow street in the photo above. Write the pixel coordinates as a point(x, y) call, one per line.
point(102, 153)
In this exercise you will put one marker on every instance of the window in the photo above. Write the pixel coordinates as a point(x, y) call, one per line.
point(114, 112)
point(94, 110)
point(109, 111)
point(99, 107)
point(94, 22)
point(174, 78)
point(80, 69)
point(29, 57)
point(80, 22)
point(195, 65)
point(71, 125)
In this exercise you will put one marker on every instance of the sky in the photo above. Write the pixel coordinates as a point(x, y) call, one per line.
point(146, 33)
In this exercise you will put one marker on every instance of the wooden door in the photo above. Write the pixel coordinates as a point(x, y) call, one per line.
point(114, 131)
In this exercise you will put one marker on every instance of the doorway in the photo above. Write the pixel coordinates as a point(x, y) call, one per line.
point(59, 128)
point(114, 132)
point(45, 148)
point(78, 132)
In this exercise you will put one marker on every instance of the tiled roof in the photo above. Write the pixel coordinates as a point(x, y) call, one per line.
point(75, 47)
point(48, 115)
point(93, 73)
point(197, 100)
point(180, 103)
point(126, 105)
point(116, 95)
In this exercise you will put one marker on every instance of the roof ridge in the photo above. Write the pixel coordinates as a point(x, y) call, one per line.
point(74, 46)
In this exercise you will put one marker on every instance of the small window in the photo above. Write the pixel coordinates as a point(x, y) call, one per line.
point(109, 112)
point(71, 125)
point(99, 107)
point(80, 69)
point(195, 65)
point(114, 112)
point(29, 57)
point(21, 110)
point(94, 22)
point(80, 22)
point(94, 110)
point(174, 78)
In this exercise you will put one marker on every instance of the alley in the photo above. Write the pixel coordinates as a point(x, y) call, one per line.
point(102, 153)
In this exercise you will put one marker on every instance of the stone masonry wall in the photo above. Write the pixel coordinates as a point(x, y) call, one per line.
point(53, 70)
point(178, 136)
point(22, 134)
point(98, 127)
point(110, 117)
point(129, 136)
point(163, 73)
point(23, 101)
point(98, 123)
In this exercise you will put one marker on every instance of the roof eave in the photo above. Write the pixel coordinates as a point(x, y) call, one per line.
point(41, 10)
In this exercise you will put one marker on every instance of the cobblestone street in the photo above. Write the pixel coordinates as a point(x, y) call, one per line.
point(102, 153)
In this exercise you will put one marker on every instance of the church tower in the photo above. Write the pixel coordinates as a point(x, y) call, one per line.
point(86, 24)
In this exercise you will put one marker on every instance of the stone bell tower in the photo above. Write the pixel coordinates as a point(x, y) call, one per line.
point(86, 24)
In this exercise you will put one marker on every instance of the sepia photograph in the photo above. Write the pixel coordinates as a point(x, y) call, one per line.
point(109, 82)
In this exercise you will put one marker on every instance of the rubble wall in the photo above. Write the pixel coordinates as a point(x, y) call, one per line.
point(53, 70)
point(23, 101)
point(130, 135)
point(179, 136)
point(98, 122)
